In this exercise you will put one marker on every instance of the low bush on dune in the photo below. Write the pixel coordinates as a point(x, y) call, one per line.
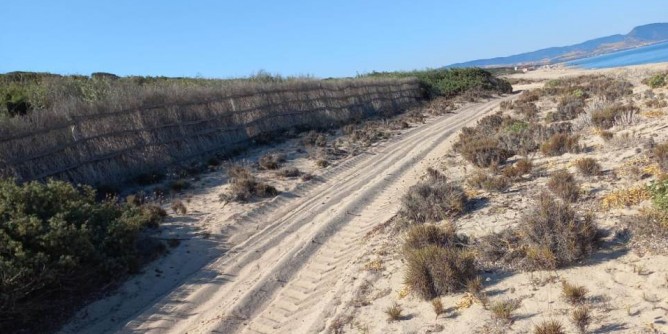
point(433, 200)
point(569, 107)
point(482, 180)
point(606, 118)
point(561, 143)
point(607, 88)
point(588, 166)
point(245, 186)
point(551, 235)
point(453, 82)
point(58, 244)
point(660, 153)
point(656, 81)
point(563, 184)
point(437, 261)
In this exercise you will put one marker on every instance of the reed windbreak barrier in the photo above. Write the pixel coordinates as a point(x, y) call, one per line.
point(112, 143)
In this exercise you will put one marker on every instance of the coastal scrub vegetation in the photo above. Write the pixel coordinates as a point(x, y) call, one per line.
point(452, 82)
point(58, 244)
point(438, 261)
point(552, 235)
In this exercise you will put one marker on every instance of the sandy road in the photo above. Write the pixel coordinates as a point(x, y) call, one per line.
point(284, 277)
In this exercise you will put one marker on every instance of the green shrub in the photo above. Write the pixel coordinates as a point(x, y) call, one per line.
point(58, 244)
point(452, 82)
point(657, 81)
point(659, 193)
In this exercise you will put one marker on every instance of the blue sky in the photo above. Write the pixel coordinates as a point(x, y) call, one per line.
point(291, 37)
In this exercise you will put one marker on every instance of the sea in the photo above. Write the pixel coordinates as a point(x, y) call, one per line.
point(656, 53)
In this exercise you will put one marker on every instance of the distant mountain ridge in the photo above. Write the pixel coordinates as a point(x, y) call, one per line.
point(639, 36)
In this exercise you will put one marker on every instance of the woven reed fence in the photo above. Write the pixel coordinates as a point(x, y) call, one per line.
point(97, 145)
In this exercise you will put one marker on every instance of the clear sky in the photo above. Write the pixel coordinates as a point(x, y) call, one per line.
point(292, 37)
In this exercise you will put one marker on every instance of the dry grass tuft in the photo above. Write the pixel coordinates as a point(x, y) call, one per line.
point(581, 318)
point(520, 168)
point(588, 166)
point(503, 310)
point(437, 306)
point(563, 184)
point(394, 312)
point(549, 327)
point(625, 197)
point(482, 180)
point(423, 235)
point(573, 294)
point(661, 155)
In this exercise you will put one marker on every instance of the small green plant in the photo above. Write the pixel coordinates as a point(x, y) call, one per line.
point(394, 312)
point(588, 166)
point(563, 184)
point(573, 294)
point(581, 318)
point(549, 327)
point(659, 193)
point(657, 81)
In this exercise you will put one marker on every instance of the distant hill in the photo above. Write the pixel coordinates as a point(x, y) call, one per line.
point(639, 36)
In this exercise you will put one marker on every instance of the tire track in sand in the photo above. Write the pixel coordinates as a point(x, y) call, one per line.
point(281, 278)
